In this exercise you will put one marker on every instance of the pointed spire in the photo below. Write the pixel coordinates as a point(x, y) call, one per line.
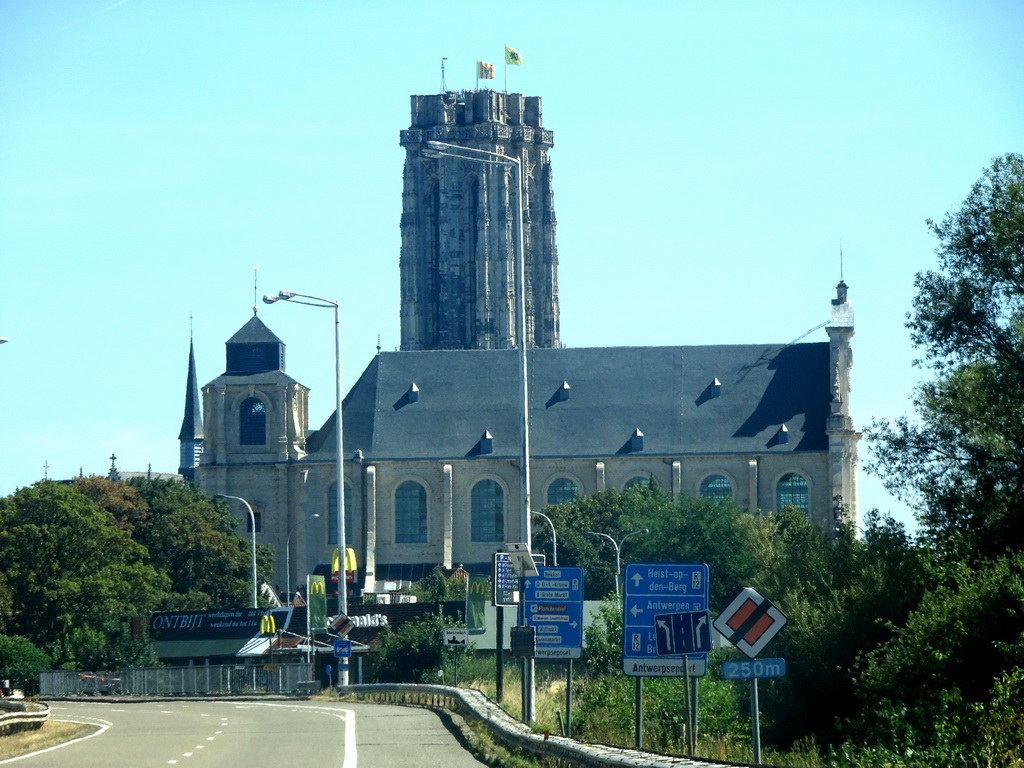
point(191, 434)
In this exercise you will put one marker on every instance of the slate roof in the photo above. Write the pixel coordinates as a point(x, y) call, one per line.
point(667, 393)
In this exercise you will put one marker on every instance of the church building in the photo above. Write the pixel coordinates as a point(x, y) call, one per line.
point(434, 434)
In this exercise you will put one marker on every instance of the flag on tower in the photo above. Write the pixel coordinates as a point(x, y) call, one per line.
point(484, 71)
point(512, 56)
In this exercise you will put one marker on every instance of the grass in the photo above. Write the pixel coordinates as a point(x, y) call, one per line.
point(50, 734)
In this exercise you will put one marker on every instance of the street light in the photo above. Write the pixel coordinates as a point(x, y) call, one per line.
point(618, 552)
point(288, 556)
point(339, 443)
point(252, 523)
point(439, 149)
point(554, 538)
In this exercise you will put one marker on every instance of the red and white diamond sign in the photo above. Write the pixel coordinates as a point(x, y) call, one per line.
point(750, 622)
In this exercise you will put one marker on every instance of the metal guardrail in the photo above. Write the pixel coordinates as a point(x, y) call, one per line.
point(293, 678)
point(516, 735)
point(22, 716)
point(229, 680)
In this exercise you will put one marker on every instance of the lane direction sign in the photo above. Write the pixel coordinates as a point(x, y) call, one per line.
point(650, 590)
point(554, 608)
point(679, 634)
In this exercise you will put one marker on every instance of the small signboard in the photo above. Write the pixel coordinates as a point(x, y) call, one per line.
point(342, 648)
point(506, 580)
point(523, 642)
point(745, 670)
point(456, 638)
point(750, 622)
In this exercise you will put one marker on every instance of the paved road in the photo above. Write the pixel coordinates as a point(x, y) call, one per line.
point(226, 734)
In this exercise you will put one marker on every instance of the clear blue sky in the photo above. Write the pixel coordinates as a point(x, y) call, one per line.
point(709, 160)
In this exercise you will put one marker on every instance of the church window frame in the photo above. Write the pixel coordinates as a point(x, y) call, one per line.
point(561, 490)
point(252, 421)
point(332, 515)
point(793, 489)
point(487, 511)
point(411, 508)
point(716, 486)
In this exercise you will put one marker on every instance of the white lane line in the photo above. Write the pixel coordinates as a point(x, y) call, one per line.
point(103, 726)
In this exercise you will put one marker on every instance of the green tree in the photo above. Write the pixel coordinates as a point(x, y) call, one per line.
point(962, 460)
point(415, 652)
point(939, 669)
point(190, 536)
point(67, 566)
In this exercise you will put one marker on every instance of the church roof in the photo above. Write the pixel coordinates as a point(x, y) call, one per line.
point(254, 332)
point(593, 402)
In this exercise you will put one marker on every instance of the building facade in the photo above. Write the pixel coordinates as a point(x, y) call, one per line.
point(433, 433)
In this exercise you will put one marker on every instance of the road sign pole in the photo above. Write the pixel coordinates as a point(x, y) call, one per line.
point(568, 702)
point(499, 652)
point(689, 714)
point(755, 721)
point(638, 713)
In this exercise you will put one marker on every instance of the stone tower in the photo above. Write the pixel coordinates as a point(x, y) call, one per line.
point(842, 437)
point(458, 266)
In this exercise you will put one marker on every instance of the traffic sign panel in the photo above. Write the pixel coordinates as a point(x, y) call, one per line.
point(679, 634)
point(456, 638)
point(745, 670)
point(554, 608)
point(651, 589)
point(750, 621)
point(506, 580)
point(342, 648)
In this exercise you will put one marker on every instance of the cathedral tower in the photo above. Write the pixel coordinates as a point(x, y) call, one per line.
point(458, 266)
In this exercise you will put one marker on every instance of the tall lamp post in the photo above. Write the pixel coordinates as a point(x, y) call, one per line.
point(618, 553)
point(288, 556)
point(252, 524)
point(440, 149)
point(339, 443)
point(554, 538)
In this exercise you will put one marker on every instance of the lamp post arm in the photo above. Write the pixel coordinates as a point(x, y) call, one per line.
point(252, 523)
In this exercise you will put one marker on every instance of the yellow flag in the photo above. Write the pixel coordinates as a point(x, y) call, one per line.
point(512, 56)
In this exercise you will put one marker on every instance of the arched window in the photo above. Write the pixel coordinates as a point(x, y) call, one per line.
point(561, 490)
point(410, 513)
point(716, 487)
point(332, 515)
point(640, 480)
point(252, 422)
point(792, 490)
point(487, 512)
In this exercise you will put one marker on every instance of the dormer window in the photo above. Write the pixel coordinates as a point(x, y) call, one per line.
point(636, 441)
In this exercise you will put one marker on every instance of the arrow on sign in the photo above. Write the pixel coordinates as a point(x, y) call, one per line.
point(637, 578)
point(634, 610)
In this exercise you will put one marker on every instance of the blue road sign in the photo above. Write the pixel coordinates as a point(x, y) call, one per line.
point(745, 670)
point(506, 580)
point(554, 608)
point(650, 589)
point(342, 648)
point(679, 634)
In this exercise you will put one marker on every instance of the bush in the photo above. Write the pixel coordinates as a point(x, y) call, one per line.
point(21, 662)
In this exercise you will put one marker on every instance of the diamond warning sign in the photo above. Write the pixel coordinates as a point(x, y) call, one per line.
point(750, 622)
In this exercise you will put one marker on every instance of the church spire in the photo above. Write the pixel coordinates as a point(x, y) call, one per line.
point(191, 434)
